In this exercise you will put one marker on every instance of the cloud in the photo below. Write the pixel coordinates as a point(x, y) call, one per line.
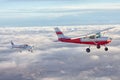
point(64, 8)
point(42, 15)
point(58, 16)
point(55, 60)
point(4, 65)
point(24, 12)
point(94, 57)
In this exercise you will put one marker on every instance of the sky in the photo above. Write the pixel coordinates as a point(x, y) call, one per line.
point(58, 12)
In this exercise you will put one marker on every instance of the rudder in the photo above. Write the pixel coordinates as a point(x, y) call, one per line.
point(60, 34)
point(12, 43)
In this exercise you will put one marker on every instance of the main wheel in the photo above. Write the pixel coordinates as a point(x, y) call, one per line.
point(88, 50)
point(98, 46)
point(106, 49)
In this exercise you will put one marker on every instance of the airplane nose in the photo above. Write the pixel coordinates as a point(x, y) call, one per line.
point(109, 40)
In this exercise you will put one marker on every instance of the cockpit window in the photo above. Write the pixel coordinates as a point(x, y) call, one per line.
point(98, 35)
point(26, 45)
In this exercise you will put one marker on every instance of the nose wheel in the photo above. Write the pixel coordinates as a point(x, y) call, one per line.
point(30, 51)
point(106, 49)
point(88, 50)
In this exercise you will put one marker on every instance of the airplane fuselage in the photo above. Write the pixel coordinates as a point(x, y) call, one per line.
point(24, 47)
point(19, 46)
point(96, 41)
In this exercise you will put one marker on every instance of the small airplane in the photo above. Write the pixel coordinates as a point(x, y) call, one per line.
point(94, 39)
point(22, 47)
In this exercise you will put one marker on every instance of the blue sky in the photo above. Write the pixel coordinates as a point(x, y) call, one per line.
point(58, 12)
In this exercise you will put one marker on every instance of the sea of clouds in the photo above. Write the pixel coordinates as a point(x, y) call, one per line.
point(52, 60)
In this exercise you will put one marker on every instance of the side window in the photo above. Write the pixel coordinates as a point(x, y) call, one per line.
point(92, 37)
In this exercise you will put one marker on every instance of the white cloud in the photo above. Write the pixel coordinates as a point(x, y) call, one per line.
point(58, 10)
point(50, 79)
point(5, 65)
point(94, 57)
point(95, 6)
point(56, 60)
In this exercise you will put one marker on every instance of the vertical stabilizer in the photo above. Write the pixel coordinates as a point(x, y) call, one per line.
point(60, 34)
point(12, 43)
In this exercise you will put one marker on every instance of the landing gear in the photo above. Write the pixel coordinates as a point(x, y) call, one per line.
point(88, 50)
point(98, 46)
point(30, 51)
point(20, 51)
point(106, 49)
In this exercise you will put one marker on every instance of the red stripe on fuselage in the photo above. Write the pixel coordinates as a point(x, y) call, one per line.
point(70, 40)
point(78, 40)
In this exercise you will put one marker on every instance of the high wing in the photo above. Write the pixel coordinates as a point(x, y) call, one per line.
point(104, 30)
point(98, 32)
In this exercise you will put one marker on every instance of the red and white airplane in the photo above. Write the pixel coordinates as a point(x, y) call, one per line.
point(22, 47)
point(94, 39)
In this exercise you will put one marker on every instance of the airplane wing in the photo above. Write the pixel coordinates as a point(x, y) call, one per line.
point(105, 30)
point(56, 41)
point(98, 32)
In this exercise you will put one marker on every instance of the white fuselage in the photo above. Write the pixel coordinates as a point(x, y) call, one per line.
point(27, 47)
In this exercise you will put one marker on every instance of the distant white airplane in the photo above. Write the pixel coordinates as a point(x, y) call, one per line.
point(22, 47)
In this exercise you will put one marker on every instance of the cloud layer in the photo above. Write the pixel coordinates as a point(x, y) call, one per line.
point(55, 60)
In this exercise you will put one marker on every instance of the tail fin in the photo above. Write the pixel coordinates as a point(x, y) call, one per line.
point(60, 34)
point(12, 43)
